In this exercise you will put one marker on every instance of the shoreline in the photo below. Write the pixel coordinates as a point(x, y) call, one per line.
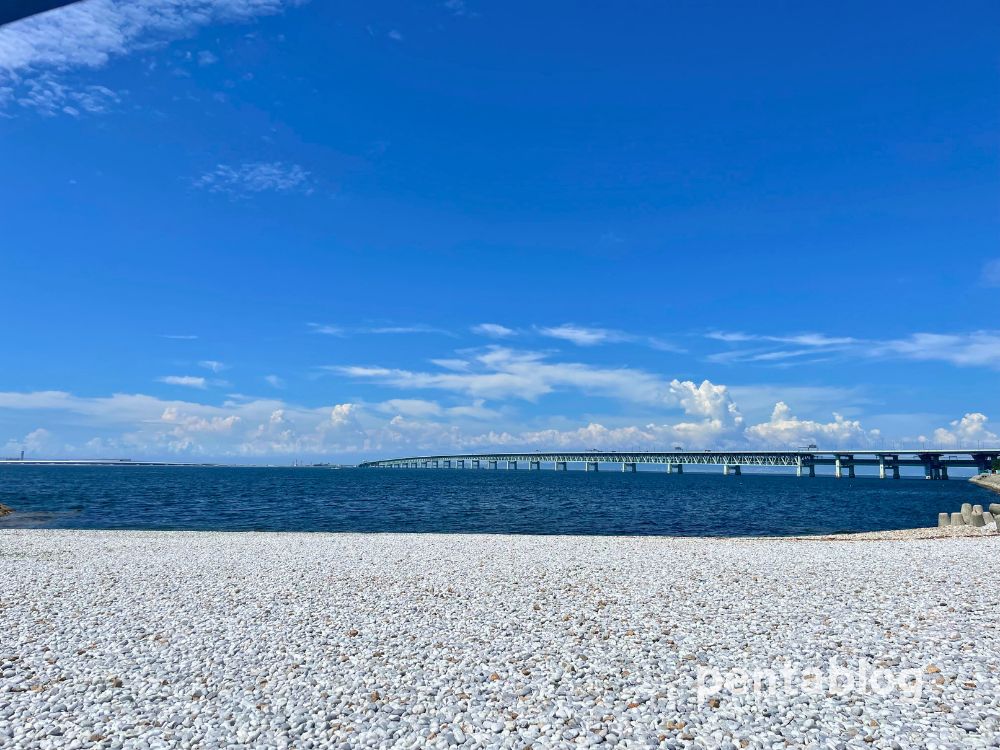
point(913, 534)
point(987, 481)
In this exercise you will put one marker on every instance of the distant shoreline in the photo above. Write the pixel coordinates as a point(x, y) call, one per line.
point(987, 481)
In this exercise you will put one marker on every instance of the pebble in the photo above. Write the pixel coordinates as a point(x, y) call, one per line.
point(210, 640)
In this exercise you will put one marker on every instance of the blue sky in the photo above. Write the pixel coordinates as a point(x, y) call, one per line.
point(253, 229)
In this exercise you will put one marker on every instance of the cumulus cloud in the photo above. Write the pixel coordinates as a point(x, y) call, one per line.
point(41, 56)
point(242, 180)
point(969, 431)
point(141, 425)
point(785, 429)
point(35, 442)
point(188, 381)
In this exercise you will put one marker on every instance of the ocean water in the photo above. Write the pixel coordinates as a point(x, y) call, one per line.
point(469, 501)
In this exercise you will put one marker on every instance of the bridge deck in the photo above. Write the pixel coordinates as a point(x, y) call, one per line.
point(934, 461)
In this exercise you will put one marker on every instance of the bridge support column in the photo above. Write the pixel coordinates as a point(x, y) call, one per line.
point(492, 464)
point(628, 467)
point(559, 466)
point(812, 470)
point(680, 468)
point(512, 466)
point(850, 470)
point(928, 471)
point(590, 465)
point(460, 463)
point(944, 472)
point(436, 464)
point(475, 463)
point(798, 466)
point(447, 463)
point(534, 465)
point(881, 467)
point(728, 469)
point(895, 471)
point(836, 468)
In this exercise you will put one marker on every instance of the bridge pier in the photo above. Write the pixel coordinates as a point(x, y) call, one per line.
point(447, 463)
point(559, 466)
point(628, 467)
point(590, 465)
point(512, 466)
point(840, 463)
point(534, 465)
point(727, 469)
point(943, 472)
point(460, 463)
point(475, 463)
point(492, 464)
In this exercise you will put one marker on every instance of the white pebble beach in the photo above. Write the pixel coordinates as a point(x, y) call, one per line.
point(217, 640)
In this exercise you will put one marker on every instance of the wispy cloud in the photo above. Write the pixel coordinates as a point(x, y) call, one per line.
point(493, 330)
point(179, 336)
point(379, 330)
point(41, 56)
point(243, 180)
point(212, 364)
point(967, 349)
point(188, 381)
point(274, 381)
point(592, 336)
point(395, 36)
point(991, 273)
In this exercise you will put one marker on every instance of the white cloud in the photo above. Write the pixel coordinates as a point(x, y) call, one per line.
point(36, 441)
point(969, 431)
point(188, 381)
point(251, 178)
point(977, 348)
point(583, 336)
point(206, 57)
point(980, 348)
point(493, 330)
point(40, 55)
point(589, 336)
point(395, 36)
point(140, 425)
point(411, 407)
point(991, 273)
point(786, 430)
point(382, 330)
point(213, 365)
point(326, 330)
point(274, 381)
point(178, 336)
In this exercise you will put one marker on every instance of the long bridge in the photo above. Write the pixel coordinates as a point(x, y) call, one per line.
point(935, 463)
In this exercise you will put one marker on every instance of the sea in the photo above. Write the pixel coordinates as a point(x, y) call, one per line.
point(469, 501)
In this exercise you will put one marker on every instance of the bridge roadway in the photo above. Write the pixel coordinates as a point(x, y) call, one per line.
point(935, 463)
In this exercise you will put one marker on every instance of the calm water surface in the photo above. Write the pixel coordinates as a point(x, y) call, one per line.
point(420, 500)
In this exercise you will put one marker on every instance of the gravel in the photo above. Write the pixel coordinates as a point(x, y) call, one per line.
point(213, 640)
